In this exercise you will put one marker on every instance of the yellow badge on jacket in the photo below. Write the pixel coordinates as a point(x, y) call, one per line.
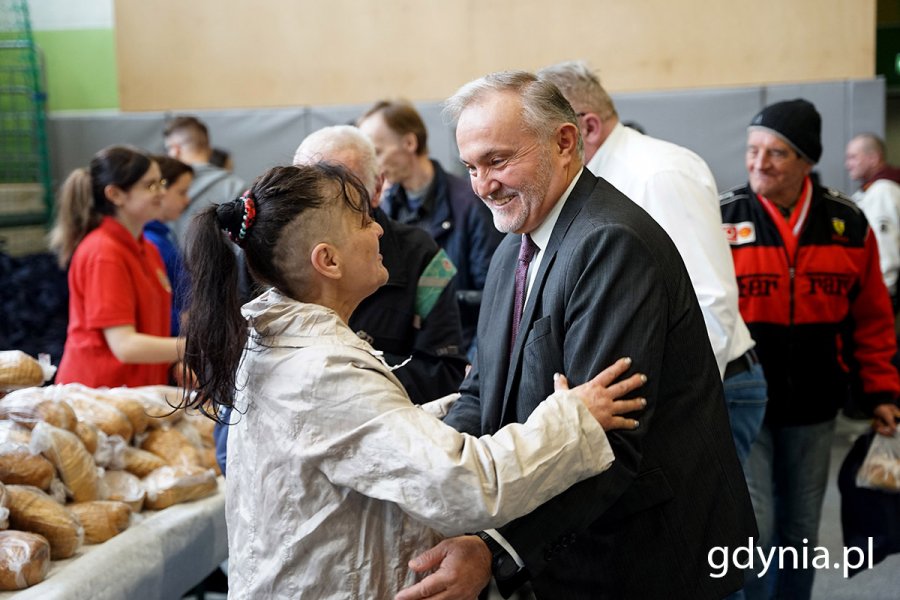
point(164, 280)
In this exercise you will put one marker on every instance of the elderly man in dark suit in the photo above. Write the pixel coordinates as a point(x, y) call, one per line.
point(588, 278)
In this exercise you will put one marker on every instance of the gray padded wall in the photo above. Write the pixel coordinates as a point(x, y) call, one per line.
point(710, 122)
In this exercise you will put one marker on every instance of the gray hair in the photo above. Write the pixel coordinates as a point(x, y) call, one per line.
point(581, 86)
point(328, 143)
point(544, 108)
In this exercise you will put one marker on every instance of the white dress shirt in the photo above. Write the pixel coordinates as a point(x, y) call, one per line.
point(881, 205)
point(677, 188)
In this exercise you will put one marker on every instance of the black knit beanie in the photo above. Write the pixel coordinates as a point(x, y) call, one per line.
point(797, 122)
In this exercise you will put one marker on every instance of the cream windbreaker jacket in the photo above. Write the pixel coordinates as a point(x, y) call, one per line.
point(335, 479)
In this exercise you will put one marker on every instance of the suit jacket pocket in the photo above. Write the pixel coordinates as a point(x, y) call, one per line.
point(540, 328)
point(649, 489)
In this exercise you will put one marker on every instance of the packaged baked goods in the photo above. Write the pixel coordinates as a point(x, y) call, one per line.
point(124, 487)
point(87, 433)
point(75, 465)
point(101, 519)
point(24, 559)
point(32, 405)
point(18, 465)
point(208, 460)
point(203, 425)
point(124, 400)
point(32, 510)
point(172, 445)
point(175, 484)
point(19, 370)
point(110, 453)
point(140, 462)
point(881, 468)
point(160, 403)
point(10, 431)
point(106, 417)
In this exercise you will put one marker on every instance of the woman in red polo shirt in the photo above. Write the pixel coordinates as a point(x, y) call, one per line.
point(119, 296)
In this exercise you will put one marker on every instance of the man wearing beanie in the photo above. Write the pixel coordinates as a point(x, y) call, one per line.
point(812, 295)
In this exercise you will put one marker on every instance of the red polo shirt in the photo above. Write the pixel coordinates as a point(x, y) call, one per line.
point(114, 279)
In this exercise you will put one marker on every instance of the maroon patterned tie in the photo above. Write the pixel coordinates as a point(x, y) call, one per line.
point(526, 252)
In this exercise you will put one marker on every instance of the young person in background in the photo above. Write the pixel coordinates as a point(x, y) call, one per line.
point(119, 295)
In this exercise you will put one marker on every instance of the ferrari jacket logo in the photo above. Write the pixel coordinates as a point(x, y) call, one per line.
point(839, 225)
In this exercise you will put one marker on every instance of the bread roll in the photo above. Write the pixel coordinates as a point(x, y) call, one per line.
point(107, 418)
point(124, 487)
point(87, 433)
point(74, 464)
point(32, 510)
point(160, 403)
point(130, 407)
point(101, 519)
point(19, 466)
point(24, 559)
point(172, 446)
point(31, 406)
point(18, 370)
point(174, 484)
point(140, 462)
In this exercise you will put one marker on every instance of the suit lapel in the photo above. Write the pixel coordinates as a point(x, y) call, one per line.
point(493, 342)
point(570, 210)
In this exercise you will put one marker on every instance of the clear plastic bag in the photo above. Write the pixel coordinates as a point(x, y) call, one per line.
point(881, 468)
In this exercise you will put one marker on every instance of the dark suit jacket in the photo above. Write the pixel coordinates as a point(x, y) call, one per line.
point(612, 284)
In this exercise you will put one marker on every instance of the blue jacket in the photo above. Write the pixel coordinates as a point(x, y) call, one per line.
point(161, 236)
point(463, 226)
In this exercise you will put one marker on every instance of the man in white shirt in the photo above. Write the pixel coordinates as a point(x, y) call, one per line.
point(879, 199)
point(677, 188)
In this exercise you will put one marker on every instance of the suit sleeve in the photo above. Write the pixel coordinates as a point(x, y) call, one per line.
point(616, 306)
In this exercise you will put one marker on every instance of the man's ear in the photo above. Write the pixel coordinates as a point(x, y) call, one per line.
point(592, 130)
point(567, 139)
point(410, 143)
point(324, 259)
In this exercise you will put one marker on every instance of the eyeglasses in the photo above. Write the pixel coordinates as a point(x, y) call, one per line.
point(157, 186)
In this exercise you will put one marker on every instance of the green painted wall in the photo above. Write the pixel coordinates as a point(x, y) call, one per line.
point(80, 68)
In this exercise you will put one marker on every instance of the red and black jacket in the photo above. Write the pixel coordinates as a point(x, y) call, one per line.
point(811, 292)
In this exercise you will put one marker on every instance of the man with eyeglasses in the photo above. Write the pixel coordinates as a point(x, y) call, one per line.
point(813, 297)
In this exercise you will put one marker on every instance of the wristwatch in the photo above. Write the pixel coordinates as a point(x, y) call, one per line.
point(503, 566)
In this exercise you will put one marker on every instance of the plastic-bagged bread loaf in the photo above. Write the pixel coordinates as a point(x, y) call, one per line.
point(101, 519)
point(32, 510)
point(172, 445)
point(106, 417)
point(10, 431)
point(87, 433)
point(160, 402)
point(76, 467)
point(124, 487)
point(24, 559)
point(203, 424)
point(18, 465)
point(140, 462)
point(32, 405)
point(174, 484)
point(124, 400)
point(18, 370)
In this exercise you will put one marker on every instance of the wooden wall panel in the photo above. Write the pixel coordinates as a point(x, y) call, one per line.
point(177, 54)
